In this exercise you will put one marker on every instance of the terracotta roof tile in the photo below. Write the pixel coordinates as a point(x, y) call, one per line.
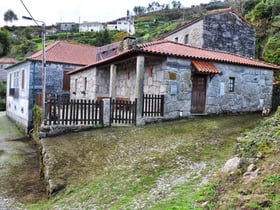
point(70, 53)
point(205, 67)
point(8, 60)
point(169, 48)
point(173, 49)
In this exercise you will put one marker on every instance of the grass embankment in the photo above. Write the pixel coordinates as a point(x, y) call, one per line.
point(261, 189)
point(158, 166)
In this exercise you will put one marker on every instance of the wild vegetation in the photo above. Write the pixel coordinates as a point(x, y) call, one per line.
point(2, 96)
point(259, 191)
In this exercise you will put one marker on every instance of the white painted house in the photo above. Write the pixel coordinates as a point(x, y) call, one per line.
point(91, 27)
point(122, 25)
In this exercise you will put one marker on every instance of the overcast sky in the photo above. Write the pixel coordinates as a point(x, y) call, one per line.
point(53, 11)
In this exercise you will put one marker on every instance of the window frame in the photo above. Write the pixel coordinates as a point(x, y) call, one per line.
point(186, 39)
point(231, 84)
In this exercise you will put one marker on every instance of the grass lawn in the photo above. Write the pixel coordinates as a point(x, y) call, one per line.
point(157, 166)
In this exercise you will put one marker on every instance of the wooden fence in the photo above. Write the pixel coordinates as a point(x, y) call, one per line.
point(153, 105)
point(73, 112)
point(62, 111)
point(123, 111)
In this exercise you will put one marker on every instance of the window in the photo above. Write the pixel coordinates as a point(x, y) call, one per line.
point(75, 86)
point(231, 84)
point(10, 81)
point(22, 79)
point(85, 86)
point(186, 40)
point(176, 39)
point(16, 77)
point(128, 75)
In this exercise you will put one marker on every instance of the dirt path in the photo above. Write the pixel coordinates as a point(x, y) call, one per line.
point(20, 181)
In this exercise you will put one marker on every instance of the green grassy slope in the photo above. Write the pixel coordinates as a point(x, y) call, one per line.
point(158, 166)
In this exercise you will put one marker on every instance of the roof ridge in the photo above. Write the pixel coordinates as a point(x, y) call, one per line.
point(160, 41)
point(76, 44)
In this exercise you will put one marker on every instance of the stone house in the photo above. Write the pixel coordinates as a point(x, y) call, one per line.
point(24, 79)
point(4, 63)
point(222, 30)
point(193, 80)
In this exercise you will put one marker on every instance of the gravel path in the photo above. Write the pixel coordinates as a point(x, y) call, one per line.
point(19, 170)
point(8, 132)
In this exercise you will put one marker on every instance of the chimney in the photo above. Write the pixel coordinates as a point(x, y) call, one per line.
point(129, 43)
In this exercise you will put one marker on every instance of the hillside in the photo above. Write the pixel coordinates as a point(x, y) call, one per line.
point(259, 188)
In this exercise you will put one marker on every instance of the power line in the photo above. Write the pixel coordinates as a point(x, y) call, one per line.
point(29, 12)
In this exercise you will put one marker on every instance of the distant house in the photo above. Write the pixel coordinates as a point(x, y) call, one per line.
point(67, 26)
point(223, 30)
point(4, 63)
point(24, 79)
point(122, 25)
point(91, 27)
point(193, 80)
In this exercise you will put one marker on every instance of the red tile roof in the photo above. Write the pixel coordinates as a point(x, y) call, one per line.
point(69, 53)
point(205, 67)
point(8, 60)
point(173, 49)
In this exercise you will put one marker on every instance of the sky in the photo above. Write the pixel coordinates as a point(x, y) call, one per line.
point(54, 11)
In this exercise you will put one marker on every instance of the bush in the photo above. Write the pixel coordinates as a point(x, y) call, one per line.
point(2, 104)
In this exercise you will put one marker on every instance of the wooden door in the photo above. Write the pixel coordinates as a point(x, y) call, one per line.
point(198, 93)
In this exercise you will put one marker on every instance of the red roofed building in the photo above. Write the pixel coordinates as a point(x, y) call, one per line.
point(24, 79)
point(4, 63)
point(193, 80)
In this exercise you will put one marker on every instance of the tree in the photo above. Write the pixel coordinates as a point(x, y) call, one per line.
point(10, 16)
point(102, 38)
point(4, 43)
point(176, 4)
point(139, 10)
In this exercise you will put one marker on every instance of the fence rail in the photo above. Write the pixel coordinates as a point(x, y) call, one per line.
point(73, 112)
point(153, 105)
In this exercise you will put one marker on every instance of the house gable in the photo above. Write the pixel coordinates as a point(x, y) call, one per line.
point(230, 33)
point(223, 30)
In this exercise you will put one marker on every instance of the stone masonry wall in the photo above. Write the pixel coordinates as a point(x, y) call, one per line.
point(194, 32)
point(174, 77)
point(54, 77)
point(252, 90)
point(228, 32)
point(125, 81)
point(98, 81)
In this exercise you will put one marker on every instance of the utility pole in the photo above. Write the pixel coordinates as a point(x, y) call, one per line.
point(43, 63)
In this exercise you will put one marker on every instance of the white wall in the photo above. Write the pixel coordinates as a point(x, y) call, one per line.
point(17, 106)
